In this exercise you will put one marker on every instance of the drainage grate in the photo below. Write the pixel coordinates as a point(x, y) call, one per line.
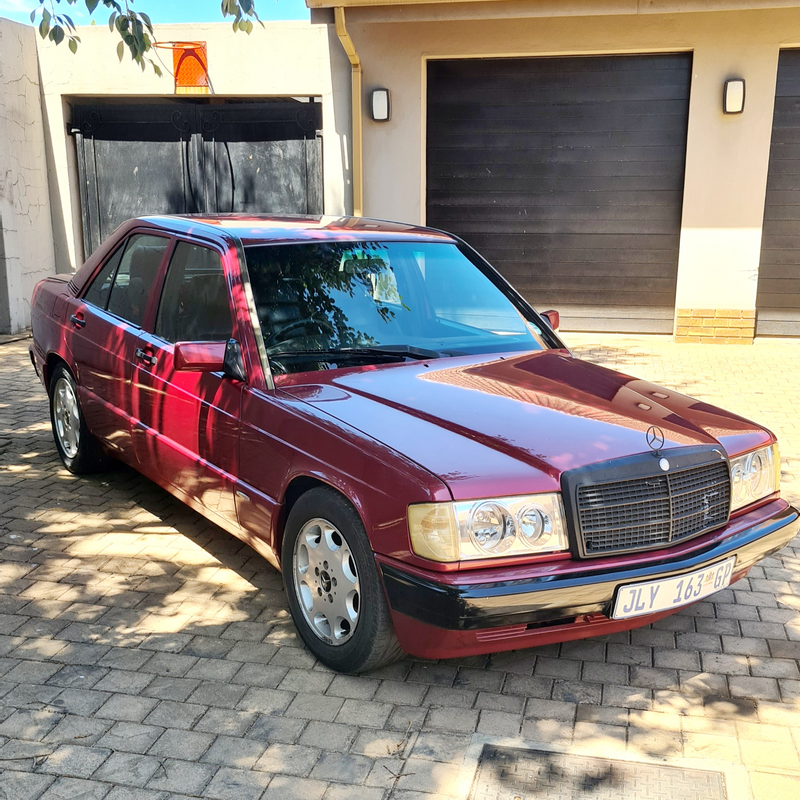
point(509, 773)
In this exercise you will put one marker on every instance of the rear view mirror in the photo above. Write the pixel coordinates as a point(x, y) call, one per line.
point(553, 318)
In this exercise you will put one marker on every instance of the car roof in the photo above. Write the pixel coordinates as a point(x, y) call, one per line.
point(253, 229)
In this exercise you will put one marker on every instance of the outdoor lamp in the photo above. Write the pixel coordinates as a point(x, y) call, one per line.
point(381, 106)
point(733, 96)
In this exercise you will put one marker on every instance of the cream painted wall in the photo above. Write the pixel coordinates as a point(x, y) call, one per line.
point(289, 59)
point(727, 157)
point(26, 251)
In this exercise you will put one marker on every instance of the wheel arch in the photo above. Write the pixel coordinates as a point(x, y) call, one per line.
point(295, 489)
point(50, 364)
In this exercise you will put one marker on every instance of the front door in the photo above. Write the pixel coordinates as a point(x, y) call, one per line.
point(106, 323)
point(187, 425)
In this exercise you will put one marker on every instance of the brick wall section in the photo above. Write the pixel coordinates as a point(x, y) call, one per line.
point(715, 326)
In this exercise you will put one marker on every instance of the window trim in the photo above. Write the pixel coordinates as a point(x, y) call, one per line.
point(155, 232)
point(161, 279)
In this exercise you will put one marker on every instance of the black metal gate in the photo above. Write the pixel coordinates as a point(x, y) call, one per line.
point(183, 157)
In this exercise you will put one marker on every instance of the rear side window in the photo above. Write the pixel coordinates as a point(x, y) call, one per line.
point(194, 302)
point(100, 287)
point(135, 277)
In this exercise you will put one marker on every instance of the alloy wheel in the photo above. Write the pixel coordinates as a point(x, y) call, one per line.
point(326, 581)
point(66, 415)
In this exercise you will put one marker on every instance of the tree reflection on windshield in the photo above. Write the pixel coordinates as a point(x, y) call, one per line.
point(315, 299)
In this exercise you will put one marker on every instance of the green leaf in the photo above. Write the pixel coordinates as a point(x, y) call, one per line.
point(44, 29)
point(73, 46)
point(112, 21)
point(46, 16)
point(120, 50)
point(147, 21)
point(157, 69)
point(91, 5)
point(58, 34)
point(33, 15)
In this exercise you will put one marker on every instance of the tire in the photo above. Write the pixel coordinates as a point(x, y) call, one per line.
point(326, 555)
point(78, 449)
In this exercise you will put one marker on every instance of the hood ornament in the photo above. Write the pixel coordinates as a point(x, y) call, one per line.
point(655, 438)
point(655, 441)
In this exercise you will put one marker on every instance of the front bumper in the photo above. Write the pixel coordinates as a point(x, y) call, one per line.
point(581, 594)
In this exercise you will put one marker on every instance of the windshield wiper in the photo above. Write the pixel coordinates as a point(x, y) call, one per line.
point(389, 352)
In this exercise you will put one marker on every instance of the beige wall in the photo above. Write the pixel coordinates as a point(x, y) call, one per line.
point(26, 251)
point(289, 59)
point(727, 156)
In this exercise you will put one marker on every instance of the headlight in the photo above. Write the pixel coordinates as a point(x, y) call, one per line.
point(755, 475)
point(504, 526)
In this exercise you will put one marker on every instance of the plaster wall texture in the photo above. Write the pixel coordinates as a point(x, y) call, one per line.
point(727, 156)
point(282, 59)
point(26, 250)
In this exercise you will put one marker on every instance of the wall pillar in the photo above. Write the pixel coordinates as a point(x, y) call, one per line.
point(26, 255)
point(727, 158)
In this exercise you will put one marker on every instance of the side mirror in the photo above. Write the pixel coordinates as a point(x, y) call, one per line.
point(224, 357)
point(553, 318)
point(200, 356)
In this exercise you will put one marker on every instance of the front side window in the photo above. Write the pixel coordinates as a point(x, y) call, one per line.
point(135, 277)
point(422, 299)
point(194, 303)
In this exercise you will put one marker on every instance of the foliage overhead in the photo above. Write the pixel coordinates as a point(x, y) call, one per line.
point(134, 27)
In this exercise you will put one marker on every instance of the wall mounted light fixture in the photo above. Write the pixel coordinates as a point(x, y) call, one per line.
point(733, 96)
point(381, 105)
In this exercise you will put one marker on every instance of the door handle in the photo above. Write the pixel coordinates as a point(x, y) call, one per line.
point(78, 322)
point(146, 358)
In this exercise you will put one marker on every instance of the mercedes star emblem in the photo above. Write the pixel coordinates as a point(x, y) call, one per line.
point(655, 438)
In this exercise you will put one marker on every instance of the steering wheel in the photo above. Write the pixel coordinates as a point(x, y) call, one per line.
point(306, 322)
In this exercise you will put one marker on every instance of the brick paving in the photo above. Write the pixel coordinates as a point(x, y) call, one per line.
point(147, 655)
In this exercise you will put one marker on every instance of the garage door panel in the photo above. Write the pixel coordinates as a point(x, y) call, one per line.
point(576, 226)
point(567, 173)
point(585, 170)
point(631, 215)
point(614, 117)
point(469, 140)
point(533, 257)
point(778, 298)
point(564, 184)
point(645, 154)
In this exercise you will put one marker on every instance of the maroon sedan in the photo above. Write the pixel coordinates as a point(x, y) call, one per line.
point(379, 414)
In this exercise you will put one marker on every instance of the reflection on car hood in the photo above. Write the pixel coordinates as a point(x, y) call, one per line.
point(492, 426)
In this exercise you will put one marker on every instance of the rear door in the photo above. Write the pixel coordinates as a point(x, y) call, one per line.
point(187, 425)
point(106, 323)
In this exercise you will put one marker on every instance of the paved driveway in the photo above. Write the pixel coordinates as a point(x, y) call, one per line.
point(145, 654)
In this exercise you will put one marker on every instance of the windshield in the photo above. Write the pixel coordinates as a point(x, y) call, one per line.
point(410, 299)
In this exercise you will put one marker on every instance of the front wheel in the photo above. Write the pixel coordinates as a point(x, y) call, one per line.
point(78, 449)
point(332, 585)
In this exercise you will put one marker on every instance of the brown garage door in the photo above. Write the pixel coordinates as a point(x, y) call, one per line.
point(778, 299)
point(567, 174)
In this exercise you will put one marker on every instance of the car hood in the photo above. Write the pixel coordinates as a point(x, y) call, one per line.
point(506, 425)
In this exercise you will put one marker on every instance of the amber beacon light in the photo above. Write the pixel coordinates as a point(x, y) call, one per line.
point(190, 66)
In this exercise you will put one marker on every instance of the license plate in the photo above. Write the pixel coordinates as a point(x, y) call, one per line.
point(637, 599)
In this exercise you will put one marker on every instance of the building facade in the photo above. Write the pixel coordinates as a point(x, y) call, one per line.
point(582, 145)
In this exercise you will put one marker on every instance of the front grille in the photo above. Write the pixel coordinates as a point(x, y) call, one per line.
point(644, 513)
